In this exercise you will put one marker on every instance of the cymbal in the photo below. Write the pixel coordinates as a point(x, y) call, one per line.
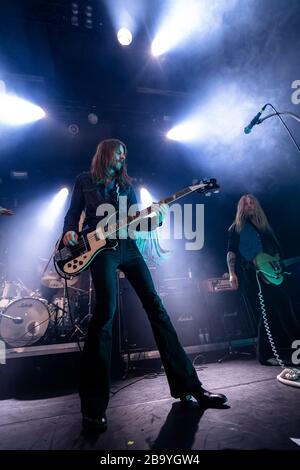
point(56, 282)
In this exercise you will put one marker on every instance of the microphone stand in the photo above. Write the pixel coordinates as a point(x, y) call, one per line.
point(14, 319)
point(81, 326)
point(278, 114)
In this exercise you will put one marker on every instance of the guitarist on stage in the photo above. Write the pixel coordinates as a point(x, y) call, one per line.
point(106, 181)
point(249, 235)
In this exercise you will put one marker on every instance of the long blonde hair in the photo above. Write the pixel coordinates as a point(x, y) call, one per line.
point(103, 158)
point(259, 218)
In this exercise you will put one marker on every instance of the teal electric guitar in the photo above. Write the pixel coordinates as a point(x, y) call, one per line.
point(272, 268)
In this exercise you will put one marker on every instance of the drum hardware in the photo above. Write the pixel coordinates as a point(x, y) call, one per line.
point(24, 321)
point(11, 290)
point(26, 317)
point(15, 320)
point(54, 281)
point(14, 289)
point(80, 291)
point(4, 303)
point(81, 326)
point(23, 288)
point(60, 317)
point(78, 328)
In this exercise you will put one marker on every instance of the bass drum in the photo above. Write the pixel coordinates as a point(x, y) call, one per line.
point(26, 322)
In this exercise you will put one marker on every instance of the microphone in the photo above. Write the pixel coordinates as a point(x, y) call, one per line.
point(16, 320)
point(254, 121)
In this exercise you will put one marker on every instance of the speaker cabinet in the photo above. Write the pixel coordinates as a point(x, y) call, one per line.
point(228, 316)
point(134, 327)
point(182, 305)
point(185, 312)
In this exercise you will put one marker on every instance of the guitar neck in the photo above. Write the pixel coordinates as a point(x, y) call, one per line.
point(145, 212)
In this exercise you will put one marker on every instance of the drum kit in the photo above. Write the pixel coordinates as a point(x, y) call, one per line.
point(27, 317)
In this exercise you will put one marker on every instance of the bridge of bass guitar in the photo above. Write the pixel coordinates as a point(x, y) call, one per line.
point(71, 260)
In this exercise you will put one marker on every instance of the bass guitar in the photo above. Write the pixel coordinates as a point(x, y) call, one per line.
point(70, 261)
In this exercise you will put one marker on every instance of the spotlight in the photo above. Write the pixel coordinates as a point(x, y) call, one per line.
point(54, 207)
point(124, 36)
point(16, 111)
point(146, 198)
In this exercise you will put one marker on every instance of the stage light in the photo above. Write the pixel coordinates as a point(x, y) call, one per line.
point(183, 19)
point(146, 198)
point(227, 112)
point(185, 132)
point(17, 111)
point(218, 119)
point(53, 209)
point(124, 36)
point(179, 21)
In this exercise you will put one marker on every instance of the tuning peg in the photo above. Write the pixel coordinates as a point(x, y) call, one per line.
point(208, 194)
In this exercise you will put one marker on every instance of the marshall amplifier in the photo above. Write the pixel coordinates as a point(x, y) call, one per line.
point(228, 311)
point(183, 307)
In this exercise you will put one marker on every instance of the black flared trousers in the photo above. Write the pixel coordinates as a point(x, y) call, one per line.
point(95, 365)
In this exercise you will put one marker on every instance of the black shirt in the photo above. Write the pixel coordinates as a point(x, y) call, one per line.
point(88, 195)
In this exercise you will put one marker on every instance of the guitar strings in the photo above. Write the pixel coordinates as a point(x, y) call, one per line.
point(82, 245)
point(182, 193)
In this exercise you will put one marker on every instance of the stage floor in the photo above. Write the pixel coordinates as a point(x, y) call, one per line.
point(262, 413)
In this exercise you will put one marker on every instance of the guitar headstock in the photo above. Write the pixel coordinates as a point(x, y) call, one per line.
point(208, 186)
